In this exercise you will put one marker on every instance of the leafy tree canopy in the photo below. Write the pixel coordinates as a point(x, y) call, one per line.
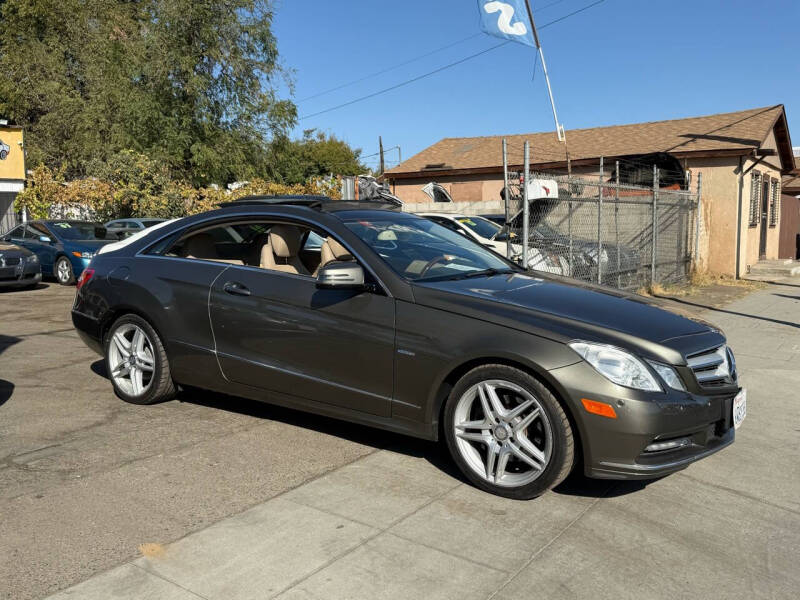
point(190, 83)
point(315, 155)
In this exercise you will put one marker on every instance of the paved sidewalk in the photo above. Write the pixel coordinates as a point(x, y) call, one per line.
point(396, 525)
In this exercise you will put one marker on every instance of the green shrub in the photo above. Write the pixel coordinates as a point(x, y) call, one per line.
point(133, 185)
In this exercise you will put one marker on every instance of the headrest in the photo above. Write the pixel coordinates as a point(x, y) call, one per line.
point(285, 240)
point(387, 235)
point(201, 246)
point(338, 251)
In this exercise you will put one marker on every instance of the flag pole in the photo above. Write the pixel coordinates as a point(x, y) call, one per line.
point(562, 136)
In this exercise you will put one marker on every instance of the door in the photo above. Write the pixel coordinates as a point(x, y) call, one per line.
point(762, 245)
point(278, 332)
point(46, 251)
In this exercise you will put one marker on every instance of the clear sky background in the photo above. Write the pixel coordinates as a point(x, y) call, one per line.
point(622, 61)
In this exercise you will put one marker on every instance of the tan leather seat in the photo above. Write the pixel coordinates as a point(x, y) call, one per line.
point(280, 251)
point(201, 246)
point(332, 251)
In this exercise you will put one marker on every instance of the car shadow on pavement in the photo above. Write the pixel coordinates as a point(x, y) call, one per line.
point(380, 439)
point(35, 288)
point(6, 390)
point(577, 484)
point(731, 312)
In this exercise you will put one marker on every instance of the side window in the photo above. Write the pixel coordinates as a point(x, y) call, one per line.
point(32, 234)
point(446, 223)
point(37, 229)
point(17, 233)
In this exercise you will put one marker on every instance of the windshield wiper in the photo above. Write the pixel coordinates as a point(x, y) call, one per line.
point(458, 276)
point(488, 273)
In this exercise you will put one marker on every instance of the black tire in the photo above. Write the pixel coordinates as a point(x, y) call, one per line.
point(63, 272)
point(562, 454)
point(161, 387)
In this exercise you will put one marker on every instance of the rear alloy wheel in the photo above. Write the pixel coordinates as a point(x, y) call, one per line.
point(137, 363)
point(507, 432)
point(63, 271)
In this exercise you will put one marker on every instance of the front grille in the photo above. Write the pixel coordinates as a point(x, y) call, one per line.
point(9, 261)
point(713, 368)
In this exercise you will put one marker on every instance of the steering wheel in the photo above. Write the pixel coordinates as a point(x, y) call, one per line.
point(433, 262)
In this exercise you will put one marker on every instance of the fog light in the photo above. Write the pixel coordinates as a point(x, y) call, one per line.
point(668, 445)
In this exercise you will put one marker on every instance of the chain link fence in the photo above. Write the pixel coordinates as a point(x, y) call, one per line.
point(595, 229)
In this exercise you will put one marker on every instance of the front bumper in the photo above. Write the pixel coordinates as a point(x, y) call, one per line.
point(23, 275)
point(615, 448)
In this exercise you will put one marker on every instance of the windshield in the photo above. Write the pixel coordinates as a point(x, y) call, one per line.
point(421, 250)
point(483, 227)
point(70, 230)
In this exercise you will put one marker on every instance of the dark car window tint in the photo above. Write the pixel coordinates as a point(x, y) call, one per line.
point(17, 232)
point(71, 230)
point(40, 230)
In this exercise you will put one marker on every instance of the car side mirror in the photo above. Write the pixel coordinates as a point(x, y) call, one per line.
point(45, 239)
point(341, 276)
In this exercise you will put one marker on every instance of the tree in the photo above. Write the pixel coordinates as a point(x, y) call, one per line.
point(190, 83)
point(315, 155)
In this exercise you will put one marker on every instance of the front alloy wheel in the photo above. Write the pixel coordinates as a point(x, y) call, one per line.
point(507, 432)
point(137, 363)
point(64, 273)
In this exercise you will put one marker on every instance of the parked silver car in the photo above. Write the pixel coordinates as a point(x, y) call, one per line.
point(122, 228)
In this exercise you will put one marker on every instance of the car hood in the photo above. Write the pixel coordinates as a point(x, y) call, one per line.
point(565, 309)
point(7, 249)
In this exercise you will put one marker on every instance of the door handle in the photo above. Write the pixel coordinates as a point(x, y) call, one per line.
point(236, 289)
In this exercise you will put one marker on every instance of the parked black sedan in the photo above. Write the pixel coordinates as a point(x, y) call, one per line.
point(391, 320)
point(19, 267)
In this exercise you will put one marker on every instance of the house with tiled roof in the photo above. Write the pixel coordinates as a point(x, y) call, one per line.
point(742, 156)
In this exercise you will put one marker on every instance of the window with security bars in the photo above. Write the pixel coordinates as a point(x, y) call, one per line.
point(774, 202)
point(755, 198)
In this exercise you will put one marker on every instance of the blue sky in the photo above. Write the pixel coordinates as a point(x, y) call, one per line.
point(623, 61)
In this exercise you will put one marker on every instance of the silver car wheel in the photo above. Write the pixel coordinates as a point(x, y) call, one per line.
point(62, 271)
point(503, 433)
point(130, 359)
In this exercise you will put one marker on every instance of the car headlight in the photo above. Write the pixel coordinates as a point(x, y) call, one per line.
point(33, 259)
point(669, 375)
point(86, 255)
point(617, 365)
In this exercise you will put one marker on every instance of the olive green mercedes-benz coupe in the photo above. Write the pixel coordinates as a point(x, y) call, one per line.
point(391, 320)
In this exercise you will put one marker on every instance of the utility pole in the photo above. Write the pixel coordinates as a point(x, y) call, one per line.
point(380, 145)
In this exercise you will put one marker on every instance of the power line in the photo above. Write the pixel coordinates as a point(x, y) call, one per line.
point(404, 83)
point(392, 68)
point(440, 69)
point(409, 61)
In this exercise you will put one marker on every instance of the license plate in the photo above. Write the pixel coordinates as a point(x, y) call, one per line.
point(739, 408)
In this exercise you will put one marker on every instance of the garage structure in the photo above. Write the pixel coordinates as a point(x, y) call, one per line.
point(12, 172)
point(742, 157)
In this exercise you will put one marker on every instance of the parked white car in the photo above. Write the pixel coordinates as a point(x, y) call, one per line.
point(4, 150)
point(492, 235)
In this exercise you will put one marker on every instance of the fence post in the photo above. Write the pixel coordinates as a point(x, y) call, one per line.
point(616, 223)
point(526, 207)
point(697, 221)
point(655, 226)
point(506, 193)
point(600, 225)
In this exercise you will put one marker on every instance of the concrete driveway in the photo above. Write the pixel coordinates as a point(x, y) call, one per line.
point(223, 498)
